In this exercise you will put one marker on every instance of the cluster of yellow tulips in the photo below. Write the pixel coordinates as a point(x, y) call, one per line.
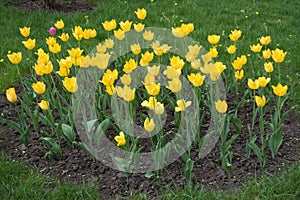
point(197, 67)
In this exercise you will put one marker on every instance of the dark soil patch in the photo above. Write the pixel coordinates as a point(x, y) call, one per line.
point(67, 6)
point(77, 166)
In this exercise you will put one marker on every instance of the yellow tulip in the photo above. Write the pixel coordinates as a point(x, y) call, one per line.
point(235, 35)
point(254, 85)
point(265, 40)
point(70, 84)
point(174, 85)
point(158, 50)
point(11, 95)
point(154, 70)
point(268, 67)
point(213, 52)
point(125, 26)
point(59, 24)
point(213, 69)
point(25, 31)
point(213, 39)
point(65, 63)
point(75, 53)
point(56, 48)
point(172, 73)
point(15, 58)
point(77, 33)
point(260, 101)
point(63, 71)
point(206, 58)
point(139, 27)
point(176, 62)
point(125, 93)
point(43, 58)
point(196, 64)
point(38, 68)
point(146, 59)
point(39, 87)
point(196, 79)
point(182, 105)
point(194, 50)
point(256, 48)
point(149, 104)
point(129, 66)
point(109, 43)
point(50, 41)
point(44, 105)
point(110, 89)
point(64, 37)
point(141, 13)
point(159, 108)
point(178, 32)
point(93, 33)
point(29, 44)
point(119, 34)
point(109, 77)
point(101, 60)
point(267, 53)
point(187, 28)
point(149, 78)
point(263, 81)
point(148, 35)
point(126, 79)
point(101, 48)
point(135, 48)
point(221, 106)
point(87, 34)
point(109, 25)
point(149, 124)
point(278, 55)
point(280, 90)
point(120, 139)
point(231, 49)
point(152, 88)
point(47, 68)
point(239, 62)
point(239, 74)
point(220, 67)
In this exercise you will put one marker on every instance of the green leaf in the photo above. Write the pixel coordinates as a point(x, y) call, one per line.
point(275, 142)
point(237, 124)
point(256, 149)
point(150, 175)
point(14, 125)
point(52, 146)
point(68, 133)
point(122, 164)
point(84, 147)
point(189, 165)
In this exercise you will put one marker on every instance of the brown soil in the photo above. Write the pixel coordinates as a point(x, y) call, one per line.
point(77, 166)
point(58, 5)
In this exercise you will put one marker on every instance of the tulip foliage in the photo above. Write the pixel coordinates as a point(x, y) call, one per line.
point(141, 76)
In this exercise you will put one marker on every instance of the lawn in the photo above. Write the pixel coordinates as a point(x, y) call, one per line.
point(279, 19)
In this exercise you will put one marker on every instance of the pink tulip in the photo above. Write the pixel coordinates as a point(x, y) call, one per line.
point(52, 31)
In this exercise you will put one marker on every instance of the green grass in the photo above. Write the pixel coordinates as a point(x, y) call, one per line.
point(19, 182)
point(287, 186)
point(279, 19)
point(276, 18)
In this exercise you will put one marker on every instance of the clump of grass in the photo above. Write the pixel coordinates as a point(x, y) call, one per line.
point(17, 181)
